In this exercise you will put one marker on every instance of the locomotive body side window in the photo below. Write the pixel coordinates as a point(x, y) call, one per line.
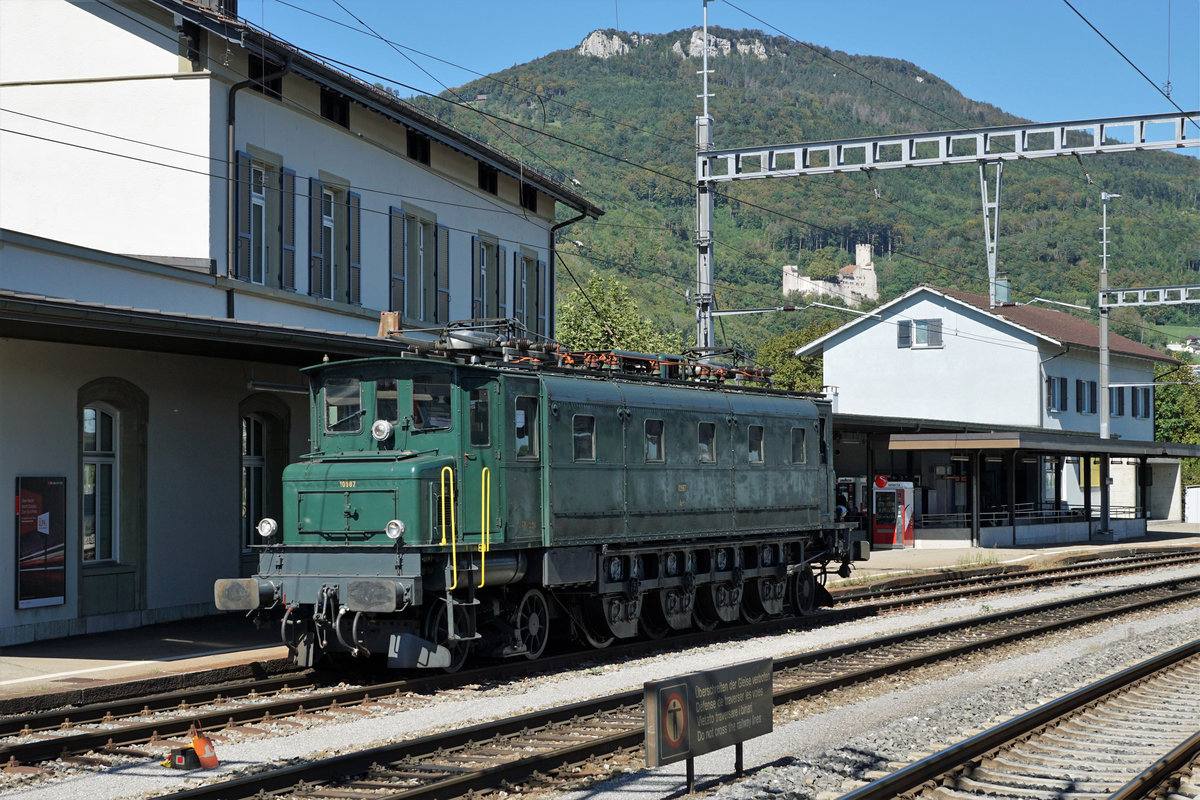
point(387, 400)
point(799, 446)
point(754, 439)
point(654, 440)
point(706, 443)
point(480, 418)
point(343, 405)
point(584, 437)
point(525, 427)
point(431, 402)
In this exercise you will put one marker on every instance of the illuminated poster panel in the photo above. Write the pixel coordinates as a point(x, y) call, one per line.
point(41, 541)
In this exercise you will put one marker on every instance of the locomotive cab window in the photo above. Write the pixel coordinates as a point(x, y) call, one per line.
point(754, 440)
point(525, 427)
point(799, 442)
point(480, 418)
point(654, 440)
point(387, 400)
point(431, 402)
point(706, 443)
point(584, 436)
point(343, 405)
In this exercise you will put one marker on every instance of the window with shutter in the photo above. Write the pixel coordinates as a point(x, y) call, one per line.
point(904, 333)
point(316, 244)
point(287, 231)
point(543, 300)
point(397, 260)
point(354, 246)
point(443, 274)
point(501, 282)
point(245, 217)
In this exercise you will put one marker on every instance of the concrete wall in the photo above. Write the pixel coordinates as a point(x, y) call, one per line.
point(193, 486)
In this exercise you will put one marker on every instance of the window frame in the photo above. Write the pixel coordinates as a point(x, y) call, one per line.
point(712, 443)
point(528, 406)
point(1056, 394)
point(1085, 396)
point(647, 438)
point(589, 436)
point(803, 445)
point(1116, 401)
point(98, 457)
point(253, 462)
point(750, 451)
point(325, 405)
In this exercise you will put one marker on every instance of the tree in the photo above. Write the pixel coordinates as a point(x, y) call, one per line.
point(604, 316)
point(791, 372)
point(821, 265)
point(1177, 412)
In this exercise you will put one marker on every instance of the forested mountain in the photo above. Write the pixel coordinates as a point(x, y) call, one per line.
point(618, 115)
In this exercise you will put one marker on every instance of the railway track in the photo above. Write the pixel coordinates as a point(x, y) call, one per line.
point(115, 731)
point(494, 754)
point(1133, 735)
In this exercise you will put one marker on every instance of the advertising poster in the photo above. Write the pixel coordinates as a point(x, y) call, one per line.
point(41, 541)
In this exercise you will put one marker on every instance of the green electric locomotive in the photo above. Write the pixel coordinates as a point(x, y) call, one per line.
point(451, 506)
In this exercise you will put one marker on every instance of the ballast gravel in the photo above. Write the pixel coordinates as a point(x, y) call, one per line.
point(811, 757)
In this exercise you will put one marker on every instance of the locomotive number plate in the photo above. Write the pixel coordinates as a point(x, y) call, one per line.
point(347, 484)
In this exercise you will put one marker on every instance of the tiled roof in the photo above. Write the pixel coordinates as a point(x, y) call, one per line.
point(1057, 325)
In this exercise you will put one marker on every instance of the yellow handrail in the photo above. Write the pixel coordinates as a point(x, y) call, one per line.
point(452, 528)
point(485, 524)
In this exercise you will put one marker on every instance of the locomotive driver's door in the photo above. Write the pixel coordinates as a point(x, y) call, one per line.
point(480, 489)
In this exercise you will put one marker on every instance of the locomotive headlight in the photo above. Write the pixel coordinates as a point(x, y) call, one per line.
point(381, 429)
point(394, 529)
point(266, 527)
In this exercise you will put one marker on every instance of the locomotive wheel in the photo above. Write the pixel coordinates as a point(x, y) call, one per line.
point(436, 632)
point(594, 631)
point(704, 620)
point(653, 623)
point(804, 592)
point(752, 610)
point(533, 623)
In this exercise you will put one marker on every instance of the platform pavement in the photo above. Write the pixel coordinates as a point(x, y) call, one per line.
point(81, 667)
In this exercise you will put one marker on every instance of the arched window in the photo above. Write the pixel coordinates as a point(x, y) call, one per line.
point(254, 469)
point(101, 434)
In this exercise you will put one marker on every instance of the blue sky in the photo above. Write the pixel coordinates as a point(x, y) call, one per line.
point(1033, 58)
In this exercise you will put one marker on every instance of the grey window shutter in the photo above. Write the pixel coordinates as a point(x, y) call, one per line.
point(904, 333)
point(1079, 396)
point(396, 260)
point(1062, 394)
point(543, 299)
point(287, 230)
point(501, 281)
point(412, 267)
point(443, 274)
point(354, 245)
point(476, 284)
point(1092, 389)
point(316, 253)
point(244, 242)
point(935, 333)
point(518, 296)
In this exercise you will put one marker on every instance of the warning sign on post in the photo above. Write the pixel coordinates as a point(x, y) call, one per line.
point(704, 711)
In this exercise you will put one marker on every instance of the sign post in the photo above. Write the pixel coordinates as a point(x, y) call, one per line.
point(697, 713)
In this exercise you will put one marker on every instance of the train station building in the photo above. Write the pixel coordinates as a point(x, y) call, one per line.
point(192, 212)
point(987, 420)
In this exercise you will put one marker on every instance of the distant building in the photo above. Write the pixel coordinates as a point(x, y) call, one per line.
point(993, 415)
point(853, 284)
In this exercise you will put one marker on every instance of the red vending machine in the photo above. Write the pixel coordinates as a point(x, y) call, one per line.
point(892, 512)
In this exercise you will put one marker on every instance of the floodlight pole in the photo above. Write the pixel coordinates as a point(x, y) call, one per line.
point(1105, 478)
